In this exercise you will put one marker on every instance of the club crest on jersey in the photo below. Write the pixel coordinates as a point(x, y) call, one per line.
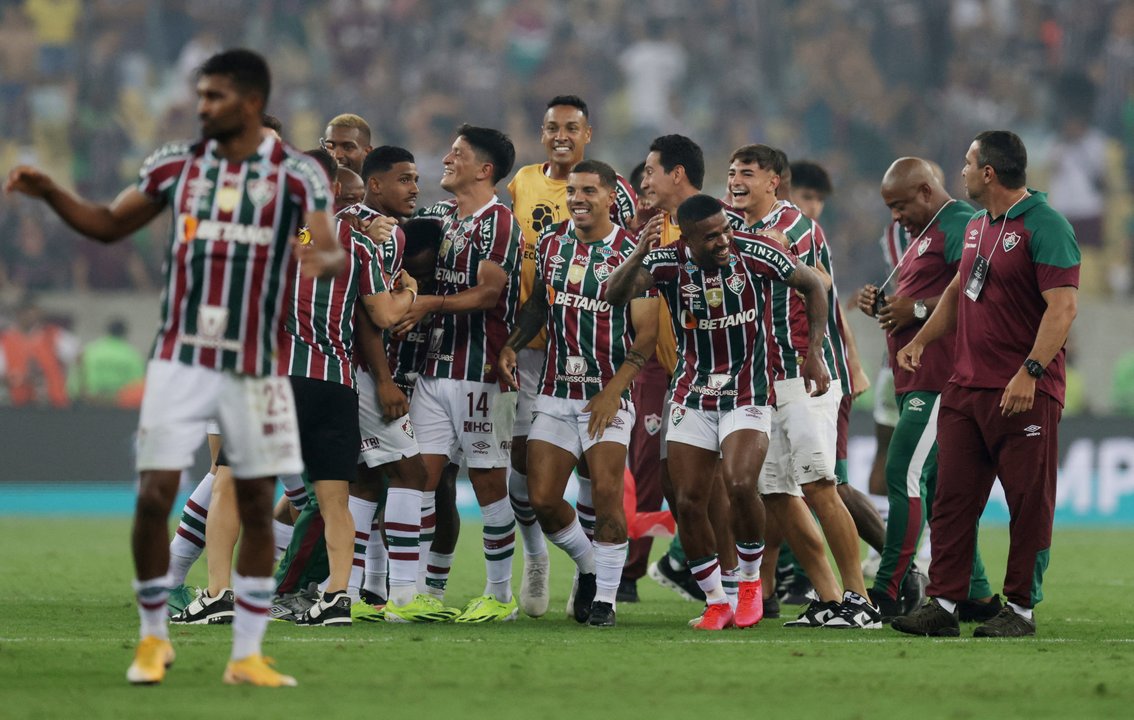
point(736, 283)
point(227, 198)
point(212, 321)
point(576, 365)
point(676, 415)
point(718, 381)
point(459, 243)
point(714, 296)
point(1011, 240)
point(922, 247)
point(407, 428)
point(576, 273)
point(652, 423)
point(261, 191)
point(602, 271)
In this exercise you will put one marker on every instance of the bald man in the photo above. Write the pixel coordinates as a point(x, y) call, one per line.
point(351, 188)
point(935, 223)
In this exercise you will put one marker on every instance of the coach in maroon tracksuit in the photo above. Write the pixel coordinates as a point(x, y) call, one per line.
point(1012, 303)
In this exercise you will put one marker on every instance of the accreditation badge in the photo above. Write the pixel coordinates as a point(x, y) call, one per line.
point(975, 282)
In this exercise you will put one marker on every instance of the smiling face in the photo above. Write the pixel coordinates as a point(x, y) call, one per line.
point(564, 134)
point(463, 168)
point(347, 145)
point(659, 186)
point(752, 187)
point(710, 241)
point(589, 202)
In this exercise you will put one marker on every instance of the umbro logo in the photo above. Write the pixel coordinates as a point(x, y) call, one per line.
point(1032, 431)
point(481, 445)
point(916, 404)
point(806, 468)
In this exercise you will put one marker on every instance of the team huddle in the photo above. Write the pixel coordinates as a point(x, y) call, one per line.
point(322, 329)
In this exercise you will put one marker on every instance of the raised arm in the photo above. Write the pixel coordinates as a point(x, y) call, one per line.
point(128, 212)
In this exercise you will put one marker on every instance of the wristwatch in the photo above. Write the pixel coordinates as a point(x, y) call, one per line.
point(920, 311)
point(1034, 368)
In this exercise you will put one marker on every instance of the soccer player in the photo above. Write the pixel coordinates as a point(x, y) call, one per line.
point(458, 400)
point(801, 457)
point(539, 202)
point(715, 283)
point(347, 138)
point(583, 408)
point(351, 188)
point(936, 223)
point(238, 196)
point(810, 185)
point(673, 172)
point(1012, 303)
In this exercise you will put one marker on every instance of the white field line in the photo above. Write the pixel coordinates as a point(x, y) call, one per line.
point(371, 640)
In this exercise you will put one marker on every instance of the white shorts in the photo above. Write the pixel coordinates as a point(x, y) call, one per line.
point(562, 422)
point(382, 442)
point(529, 368)
point(885, 402)
point(708, 428)
point(801, 447)
point(256, 415)
point(475, 416)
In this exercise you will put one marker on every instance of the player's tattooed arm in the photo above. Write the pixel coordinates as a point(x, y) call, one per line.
point(810, 286)
point(531, 319)
point(604, 405)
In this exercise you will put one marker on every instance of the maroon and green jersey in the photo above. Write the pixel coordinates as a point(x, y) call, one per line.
point(718, 318)
point(1030, 249)
point(787, 311)
point(230, 254)
point(318, 329)
point(465, 346)
point(589, 338)
point(928, 268)
point(835, 353)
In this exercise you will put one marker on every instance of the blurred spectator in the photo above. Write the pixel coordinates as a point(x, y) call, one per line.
point(35, 357)
point(106, 366)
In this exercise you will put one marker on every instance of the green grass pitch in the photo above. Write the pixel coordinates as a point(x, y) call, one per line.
point(68, 627)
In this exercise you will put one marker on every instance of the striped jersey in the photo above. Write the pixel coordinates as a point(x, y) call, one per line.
point(318, 330)
point(718, 319)
point(229, 255)
point(787, 311)
point(589, 336)
point(835, 352)
point(465, 346)
point(894, 242)
point(540, 204)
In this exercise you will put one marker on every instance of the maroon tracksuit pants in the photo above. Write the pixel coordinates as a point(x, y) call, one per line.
point(644, 456)
point(976, 444)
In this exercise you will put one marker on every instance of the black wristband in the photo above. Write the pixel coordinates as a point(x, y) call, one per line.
point(1034, 368)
